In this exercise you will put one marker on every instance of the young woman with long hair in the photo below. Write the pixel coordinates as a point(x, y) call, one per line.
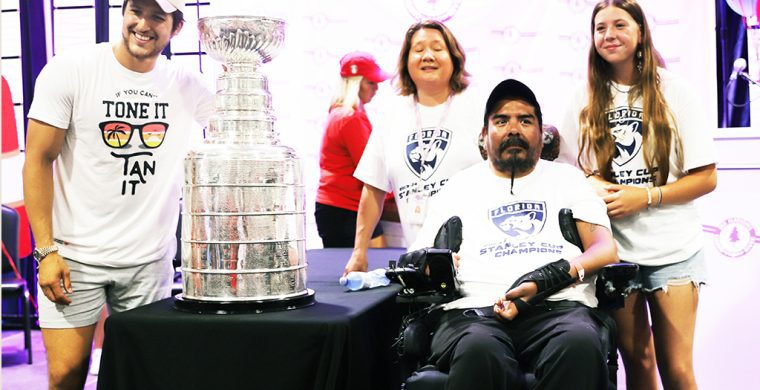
point(637, 131)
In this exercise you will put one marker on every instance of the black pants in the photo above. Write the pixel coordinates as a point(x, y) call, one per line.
point(337, 226)
point(560, 345)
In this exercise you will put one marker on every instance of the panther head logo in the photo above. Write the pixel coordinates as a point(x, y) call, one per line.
point(423, 157)
point(520, 220)
point(628, 139)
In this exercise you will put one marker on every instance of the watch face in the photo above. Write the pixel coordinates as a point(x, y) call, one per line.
point(41, 254)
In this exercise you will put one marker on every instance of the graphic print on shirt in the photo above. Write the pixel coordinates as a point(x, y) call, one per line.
point(519, 220)
point(625, 124)
point(521, 223)
point(132, 129)
point(423, 158)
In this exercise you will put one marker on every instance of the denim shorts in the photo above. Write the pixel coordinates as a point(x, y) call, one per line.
point(658, 277)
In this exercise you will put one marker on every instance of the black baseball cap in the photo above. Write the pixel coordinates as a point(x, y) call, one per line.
point(511, 89)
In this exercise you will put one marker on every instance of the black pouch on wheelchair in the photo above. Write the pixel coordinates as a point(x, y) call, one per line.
point(440, 281)
point(410, 273)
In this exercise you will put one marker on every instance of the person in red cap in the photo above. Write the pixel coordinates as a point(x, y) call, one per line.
point(108, 131)
point(348, 129)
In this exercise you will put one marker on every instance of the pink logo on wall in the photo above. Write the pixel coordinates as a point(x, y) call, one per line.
point(735, 237)
point(440, 10)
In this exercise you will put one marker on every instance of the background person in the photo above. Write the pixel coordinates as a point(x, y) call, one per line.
point(346, 135)
point(427, 135)
point(107, 136)
point(639, 133)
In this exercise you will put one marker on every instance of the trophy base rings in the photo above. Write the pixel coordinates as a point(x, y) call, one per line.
point(244, 307)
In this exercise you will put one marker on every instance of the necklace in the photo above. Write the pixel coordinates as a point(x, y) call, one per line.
point(615, 87)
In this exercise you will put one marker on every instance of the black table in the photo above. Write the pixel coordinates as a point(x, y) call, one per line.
point(341, 342)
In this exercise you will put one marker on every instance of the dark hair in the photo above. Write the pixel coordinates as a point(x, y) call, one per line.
point(458, 81)
point(177, 16)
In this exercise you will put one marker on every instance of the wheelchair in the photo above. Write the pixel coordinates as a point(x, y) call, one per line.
point(424, 294)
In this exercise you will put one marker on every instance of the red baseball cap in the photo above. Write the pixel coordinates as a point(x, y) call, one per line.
point(358, 63)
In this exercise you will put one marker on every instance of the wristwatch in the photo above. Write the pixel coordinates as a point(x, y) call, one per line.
point(40, 253)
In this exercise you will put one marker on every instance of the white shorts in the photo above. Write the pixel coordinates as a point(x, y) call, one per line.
point(121, 288)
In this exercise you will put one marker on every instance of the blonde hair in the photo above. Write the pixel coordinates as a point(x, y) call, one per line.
point(347, 92)
point(659, 130)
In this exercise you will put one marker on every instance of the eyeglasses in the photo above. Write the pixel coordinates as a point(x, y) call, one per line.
point(116, 134)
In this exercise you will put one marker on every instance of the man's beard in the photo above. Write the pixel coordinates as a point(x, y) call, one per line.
point(513, 164)
point(140, 55)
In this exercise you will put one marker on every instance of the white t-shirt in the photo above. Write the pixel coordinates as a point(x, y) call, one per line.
point(658, 235)
point(506, 236)
point(393, 160)
point(113, 206)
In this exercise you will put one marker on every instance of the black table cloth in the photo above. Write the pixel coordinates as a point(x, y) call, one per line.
point(343, 341)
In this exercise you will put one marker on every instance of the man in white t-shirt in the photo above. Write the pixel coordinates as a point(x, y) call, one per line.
point(108, 131)
point(511, 241)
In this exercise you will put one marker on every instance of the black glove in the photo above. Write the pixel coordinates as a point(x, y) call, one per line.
point(549, 278)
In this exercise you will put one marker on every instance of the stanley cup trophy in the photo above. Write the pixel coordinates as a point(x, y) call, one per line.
point(243, 218)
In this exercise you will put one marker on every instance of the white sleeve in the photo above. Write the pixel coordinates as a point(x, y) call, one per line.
point(54, 93)
point(439, 211)
point(691, 121)
point(585, 203)
point(372, 166)
point(205, 103)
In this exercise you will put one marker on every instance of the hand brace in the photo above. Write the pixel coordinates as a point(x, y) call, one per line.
point(550, 279)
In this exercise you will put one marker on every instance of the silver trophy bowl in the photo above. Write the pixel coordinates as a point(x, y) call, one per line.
point(243, 217)
point(241, 39)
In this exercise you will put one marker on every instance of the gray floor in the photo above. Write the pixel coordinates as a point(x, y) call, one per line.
point(16, 374)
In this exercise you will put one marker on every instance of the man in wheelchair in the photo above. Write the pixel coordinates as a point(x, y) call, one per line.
point(526, 293)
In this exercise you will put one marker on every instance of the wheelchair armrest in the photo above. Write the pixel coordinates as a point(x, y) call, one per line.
point(618, 272)
point(611, 283)
point(612, 279)
point(568, 228)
